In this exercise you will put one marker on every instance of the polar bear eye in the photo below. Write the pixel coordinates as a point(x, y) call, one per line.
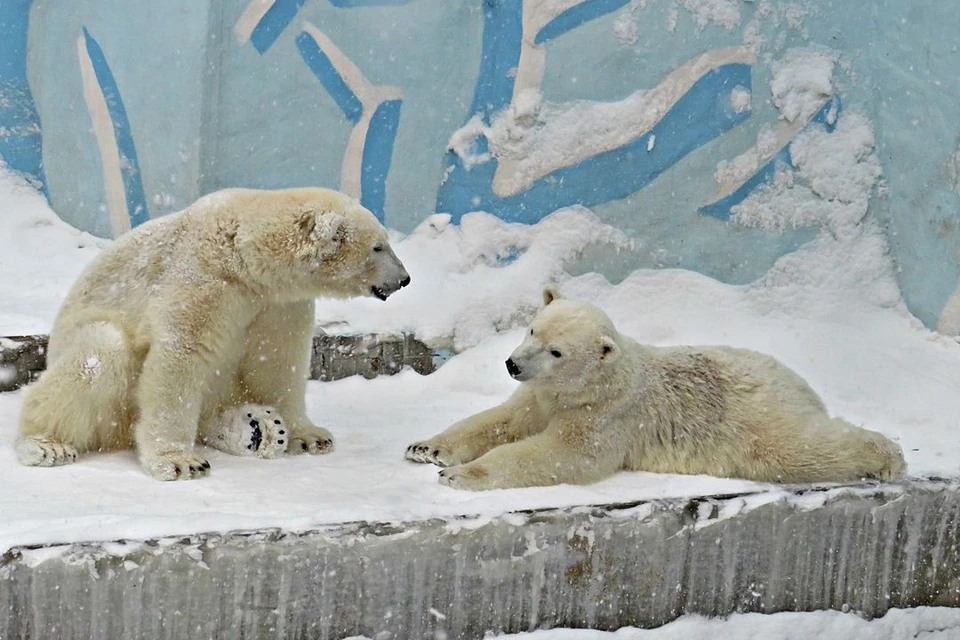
point(378, 248)
point(555, 353)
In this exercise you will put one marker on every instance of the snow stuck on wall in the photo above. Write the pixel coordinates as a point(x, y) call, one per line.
point(831, 186)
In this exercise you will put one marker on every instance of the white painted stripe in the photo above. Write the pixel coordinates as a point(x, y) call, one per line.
point(250, 18)
point(106, 141)
point(949, 323)
point(625, 121)
point(352, 165)
point(370, 97)
point(784, 132)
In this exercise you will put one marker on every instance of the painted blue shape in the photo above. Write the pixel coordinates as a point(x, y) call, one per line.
point(277, 18)
point(377, 152)
point(576, 16)
point(319, 63)
point(827, 116)
point(353, 4)
point(499, 56)
point(21, 143)
point(700, 115)
point(129, 165)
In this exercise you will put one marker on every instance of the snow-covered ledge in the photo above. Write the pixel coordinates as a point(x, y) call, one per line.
point(866, 549)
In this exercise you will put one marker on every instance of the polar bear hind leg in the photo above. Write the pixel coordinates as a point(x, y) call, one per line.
point(247, 430)
point(97, 371)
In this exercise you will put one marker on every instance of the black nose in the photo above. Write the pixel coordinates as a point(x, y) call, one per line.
point(405, 281)
point(512, 367)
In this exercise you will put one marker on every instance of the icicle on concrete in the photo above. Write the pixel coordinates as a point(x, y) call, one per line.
point(866, 549)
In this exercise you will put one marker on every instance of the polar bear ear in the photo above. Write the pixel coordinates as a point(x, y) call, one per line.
point(550, 293)
point(325, 228)
point(609, 349)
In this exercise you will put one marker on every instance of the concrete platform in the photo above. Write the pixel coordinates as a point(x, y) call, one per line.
point(863, 548)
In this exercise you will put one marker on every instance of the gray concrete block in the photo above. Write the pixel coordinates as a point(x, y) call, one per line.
point(644, 564)
point(23, 358)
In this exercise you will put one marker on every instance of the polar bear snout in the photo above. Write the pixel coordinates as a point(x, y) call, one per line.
point(513, 369)
point(382, 292)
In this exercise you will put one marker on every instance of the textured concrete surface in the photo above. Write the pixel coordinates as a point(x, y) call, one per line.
point(867, 549)
point(22, 358)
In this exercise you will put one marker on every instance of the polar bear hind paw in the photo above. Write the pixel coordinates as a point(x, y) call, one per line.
point(249, 430)
point(471, 477)
point(427, 453)
point(42, 452)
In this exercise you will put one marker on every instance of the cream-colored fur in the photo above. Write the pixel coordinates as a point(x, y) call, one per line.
point(190, 316)
point(593, 401)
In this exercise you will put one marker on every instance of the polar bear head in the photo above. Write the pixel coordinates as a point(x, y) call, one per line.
point(567, 344)
point(314, 242)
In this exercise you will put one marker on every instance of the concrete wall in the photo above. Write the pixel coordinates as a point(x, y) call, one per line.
point(144, 106)
point(865, 550)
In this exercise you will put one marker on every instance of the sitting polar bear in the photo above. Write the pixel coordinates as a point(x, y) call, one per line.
point(199, 324)
point(592, 401)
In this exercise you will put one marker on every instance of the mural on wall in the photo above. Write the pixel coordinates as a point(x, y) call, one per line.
point(629, 143)
point(348, 93)
point(20, 142)
point(517, 156)
point(126, 202)
point(373, 110)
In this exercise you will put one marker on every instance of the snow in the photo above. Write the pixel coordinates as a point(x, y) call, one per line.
point(929, 623)
point(834, 177)
point(831, 310)
point(802, 80)
point(40, 256)
point(725, 13)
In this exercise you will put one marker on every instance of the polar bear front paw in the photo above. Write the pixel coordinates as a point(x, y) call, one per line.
point(176, 465)
point(41, 452)
point(248, 430)
point(310, 440)
point(428, 452)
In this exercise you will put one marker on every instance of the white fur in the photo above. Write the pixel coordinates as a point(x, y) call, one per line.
point(192, 315)
point(593, 401)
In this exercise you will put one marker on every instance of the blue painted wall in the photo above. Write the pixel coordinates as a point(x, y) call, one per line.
point(203, 109)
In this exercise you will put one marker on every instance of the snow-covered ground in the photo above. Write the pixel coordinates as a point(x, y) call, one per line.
point(831, 310)
point(922, 623)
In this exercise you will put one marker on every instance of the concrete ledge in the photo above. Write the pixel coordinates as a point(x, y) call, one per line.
point(867, 549)
point(22, 358)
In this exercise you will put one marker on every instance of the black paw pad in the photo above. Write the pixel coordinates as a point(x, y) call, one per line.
point(303, 445)
point(256, 437)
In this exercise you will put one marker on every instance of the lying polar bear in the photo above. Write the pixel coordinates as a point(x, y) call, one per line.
point(199, 324)
point(593, 401)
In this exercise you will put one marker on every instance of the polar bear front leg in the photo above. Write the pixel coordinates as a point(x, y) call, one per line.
point(170, 397)
point(470, 438)
point(193, 339)
point(545, 459)
point(275, 369)
point(247, 430)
